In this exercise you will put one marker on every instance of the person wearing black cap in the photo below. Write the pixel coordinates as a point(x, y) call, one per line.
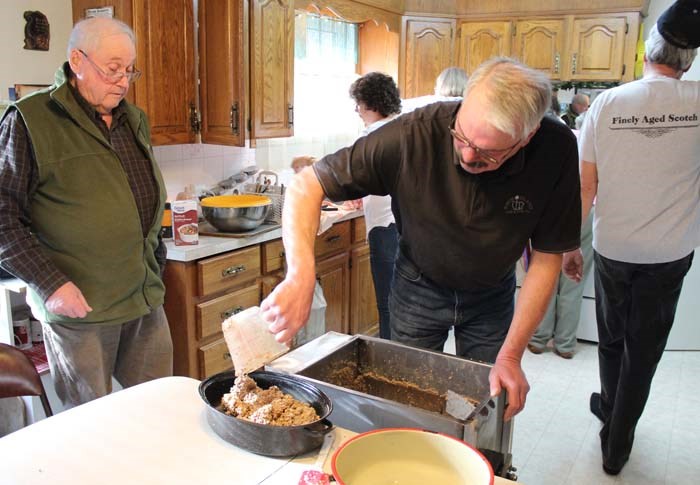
point(640, 159)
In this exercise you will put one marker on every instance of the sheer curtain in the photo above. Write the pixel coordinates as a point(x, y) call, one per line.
point(325, 58)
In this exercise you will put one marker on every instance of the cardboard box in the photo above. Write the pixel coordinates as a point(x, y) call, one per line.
point(185, 227)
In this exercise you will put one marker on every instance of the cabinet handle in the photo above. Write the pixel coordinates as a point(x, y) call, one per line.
point(556, 63)
point(290, 114)
point(227, 355)
point(231, 311)
point(234, 118)
point(332, 239)
point(573, 63)
point(233, 270)
point(195, 122)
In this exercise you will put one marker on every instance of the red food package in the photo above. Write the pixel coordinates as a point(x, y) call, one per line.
point(313, 477)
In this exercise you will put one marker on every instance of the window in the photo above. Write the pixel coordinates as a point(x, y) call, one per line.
point(325, 62)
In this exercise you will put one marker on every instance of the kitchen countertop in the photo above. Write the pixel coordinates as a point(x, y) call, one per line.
point(153, 433)
point(211, 246)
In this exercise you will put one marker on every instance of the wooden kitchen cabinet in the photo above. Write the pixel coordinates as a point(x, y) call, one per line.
point(596, 48)
point(539, 43)
point(222, 72)
point(426, 50)
point(272, 68)
point(201, 294)
point(166, 90)
point(480, 41)
point(333, 274)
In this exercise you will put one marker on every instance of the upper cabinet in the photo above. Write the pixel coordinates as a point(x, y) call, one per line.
point(479, 41)
point(165, 51)
point(597, 48)
point(539, 44)
point(231, 58)
point(426, 51)
point(222, 71)
point(567, 48)
point(272, 68)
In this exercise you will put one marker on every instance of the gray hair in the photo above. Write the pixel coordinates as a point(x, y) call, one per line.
point(518, 96)
point(87, 33)
point(658, 51)
point(451, 82)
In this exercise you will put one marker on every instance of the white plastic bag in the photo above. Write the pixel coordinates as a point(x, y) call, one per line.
point(316, 326)
point(249, 342)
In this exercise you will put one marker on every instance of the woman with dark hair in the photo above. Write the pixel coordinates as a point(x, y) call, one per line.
point(378, 102)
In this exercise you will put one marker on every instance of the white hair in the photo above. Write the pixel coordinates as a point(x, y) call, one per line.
point(658, 51)
point(451, 82)
point(87, 33)
point(518, 96)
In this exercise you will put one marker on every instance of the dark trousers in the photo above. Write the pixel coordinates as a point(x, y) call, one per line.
point(635, 308)
point(422, 313)
point(383, 245)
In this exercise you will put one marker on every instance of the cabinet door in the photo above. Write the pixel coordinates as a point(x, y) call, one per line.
point(221, 72)
point(334, 276)
point(428, 51)
point(272, 68)
point(597, 48)
point(165, 54)
point(364, 317)
point(539, 44)
point(480, 41)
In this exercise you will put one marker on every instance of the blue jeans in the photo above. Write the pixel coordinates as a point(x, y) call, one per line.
point(422, 313)
point(383, 245)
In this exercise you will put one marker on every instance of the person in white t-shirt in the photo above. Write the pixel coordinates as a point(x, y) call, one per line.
point(640, 159)
point(377, 102)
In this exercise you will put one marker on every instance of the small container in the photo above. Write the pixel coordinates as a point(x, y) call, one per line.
point(37, 331)
point(185, 226)
point(249, 342)
point(22, 333)
point(166, 229)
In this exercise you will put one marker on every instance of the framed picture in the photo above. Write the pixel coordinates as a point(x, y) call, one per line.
point(22, 90)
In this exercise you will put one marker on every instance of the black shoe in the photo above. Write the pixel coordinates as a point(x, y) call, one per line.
point(596, 408)
point(612, 471)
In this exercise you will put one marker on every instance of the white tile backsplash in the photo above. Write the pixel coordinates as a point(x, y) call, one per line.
point(202, 165)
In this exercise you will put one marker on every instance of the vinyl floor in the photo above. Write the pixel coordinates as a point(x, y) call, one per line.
point(556, 437)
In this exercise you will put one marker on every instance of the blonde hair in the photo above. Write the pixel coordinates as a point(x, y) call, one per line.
point(517, 95)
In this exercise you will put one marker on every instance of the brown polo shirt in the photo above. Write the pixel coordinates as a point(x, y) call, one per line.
point(463, 231)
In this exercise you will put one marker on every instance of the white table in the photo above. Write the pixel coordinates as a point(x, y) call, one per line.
point(153, 433)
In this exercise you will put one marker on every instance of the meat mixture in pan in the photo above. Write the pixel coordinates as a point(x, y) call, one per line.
point(265, 406)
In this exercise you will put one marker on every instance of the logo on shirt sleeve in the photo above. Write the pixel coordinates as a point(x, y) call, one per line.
point(518, 205)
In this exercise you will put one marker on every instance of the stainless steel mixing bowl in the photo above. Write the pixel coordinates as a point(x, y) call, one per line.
point(236, 219)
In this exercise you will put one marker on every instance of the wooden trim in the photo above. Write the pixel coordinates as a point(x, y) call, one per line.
point(352, 11)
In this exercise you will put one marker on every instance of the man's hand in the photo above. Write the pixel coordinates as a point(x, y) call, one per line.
point(287, 308)
point(507, 374)
point(572, 265)
point(69, 301)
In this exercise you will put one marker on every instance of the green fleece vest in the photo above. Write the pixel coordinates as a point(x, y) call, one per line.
point(84, 214)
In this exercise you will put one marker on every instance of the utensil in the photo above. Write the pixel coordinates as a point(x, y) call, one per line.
point(461, 407)
point(265, 439)
point(236, 213)
point(409, 456)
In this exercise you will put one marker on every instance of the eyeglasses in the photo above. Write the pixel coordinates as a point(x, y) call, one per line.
point(114, 77)
point(494, 157)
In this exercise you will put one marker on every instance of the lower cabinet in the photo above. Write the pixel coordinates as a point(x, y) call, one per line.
point(201, 294)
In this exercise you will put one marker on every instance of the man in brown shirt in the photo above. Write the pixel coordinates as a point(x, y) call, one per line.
point(471, 183)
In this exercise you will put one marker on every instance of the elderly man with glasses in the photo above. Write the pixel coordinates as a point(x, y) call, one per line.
point(81, 201)
point(471, 183)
